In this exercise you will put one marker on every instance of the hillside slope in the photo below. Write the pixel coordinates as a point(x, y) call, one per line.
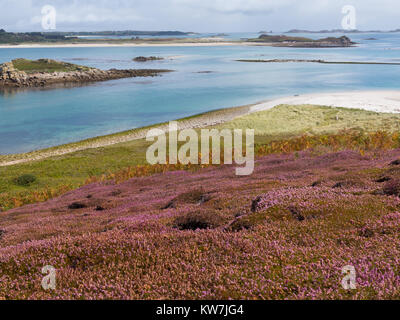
point(284, 232)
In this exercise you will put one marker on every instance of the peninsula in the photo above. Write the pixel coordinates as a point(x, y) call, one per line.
point(43, 72)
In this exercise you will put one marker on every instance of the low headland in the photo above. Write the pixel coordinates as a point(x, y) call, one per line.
point(45, 72)
point(301, 42)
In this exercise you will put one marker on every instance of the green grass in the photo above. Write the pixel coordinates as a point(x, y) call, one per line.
point(286, 121)
point(46, 65)
point(282, 122)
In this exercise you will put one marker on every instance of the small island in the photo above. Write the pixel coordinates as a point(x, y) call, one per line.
point(43, 72)
point(301, 42)
point(146, 59)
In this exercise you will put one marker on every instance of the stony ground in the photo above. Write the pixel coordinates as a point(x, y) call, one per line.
point(284, 232)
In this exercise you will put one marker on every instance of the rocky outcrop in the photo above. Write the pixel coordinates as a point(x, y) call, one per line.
point(145, 59)
point(8, 74)
point(340, 42)
point(12, 77)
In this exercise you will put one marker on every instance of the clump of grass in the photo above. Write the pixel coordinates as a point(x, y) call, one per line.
point(25, 180)
point(15, 200)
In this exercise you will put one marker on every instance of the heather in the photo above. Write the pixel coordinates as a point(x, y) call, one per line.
point(284, 232)
point(281, 129)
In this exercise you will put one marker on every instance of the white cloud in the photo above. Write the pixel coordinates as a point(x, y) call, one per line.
point(236, 6)
point(198, 15)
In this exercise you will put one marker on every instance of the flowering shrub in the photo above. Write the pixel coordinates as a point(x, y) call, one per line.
point(320, 144)
point(25, 180)
point(291, 243)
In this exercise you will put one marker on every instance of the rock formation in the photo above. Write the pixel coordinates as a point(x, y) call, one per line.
point(301, 42)
point(10, 76)
point(145, 59)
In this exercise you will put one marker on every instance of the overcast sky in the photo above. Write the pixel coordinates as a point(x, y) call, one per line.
point(198, 15)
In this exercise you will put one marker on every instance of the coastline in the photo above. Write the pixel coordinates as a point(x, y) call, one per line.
point(145, 44)
point(202, 120)
point(381, 101)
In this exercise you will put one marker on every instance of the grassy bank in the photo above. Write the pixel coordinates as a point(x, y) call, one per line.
point(58, 172)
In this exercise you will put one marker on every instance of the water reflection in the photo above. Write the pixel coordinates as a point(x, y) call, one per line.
point(11, 92)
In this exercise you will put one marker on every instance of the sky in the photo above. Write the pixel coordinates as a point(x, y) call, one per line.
point(198, 15)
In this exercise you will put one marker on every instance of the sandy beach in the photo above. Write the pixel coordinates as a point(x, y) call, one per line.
point(377, 101)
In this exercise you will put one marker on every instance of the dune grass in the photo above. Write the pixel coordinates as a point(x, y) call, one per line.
point(58, 174)
point(286, 121)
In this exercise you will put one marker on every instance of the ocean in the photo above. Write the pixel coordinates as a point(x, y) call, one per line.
point(204, 79)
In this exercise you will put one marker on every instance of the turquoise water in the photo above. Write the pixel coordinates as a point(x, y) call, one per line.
point(39, 118)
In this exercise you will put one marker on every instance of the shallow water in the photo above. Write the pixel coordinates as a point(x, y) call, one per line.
point(39, 118)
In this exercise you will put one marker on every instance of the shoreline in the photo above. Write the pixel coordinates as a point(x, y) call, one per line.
point(384, 101)
point(99, 45)
point(201, 120)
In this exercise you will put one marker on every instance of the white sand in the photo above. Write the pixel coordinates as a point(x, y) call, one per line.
point(378, 101)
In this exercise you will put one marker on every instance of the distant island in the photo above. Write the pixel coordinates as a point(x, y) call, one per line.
point(160, 38)
point(43, 72)
point(317, 61)
point(340, 31)
point(301, 42)
point(68, 37)
point(120, 33)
